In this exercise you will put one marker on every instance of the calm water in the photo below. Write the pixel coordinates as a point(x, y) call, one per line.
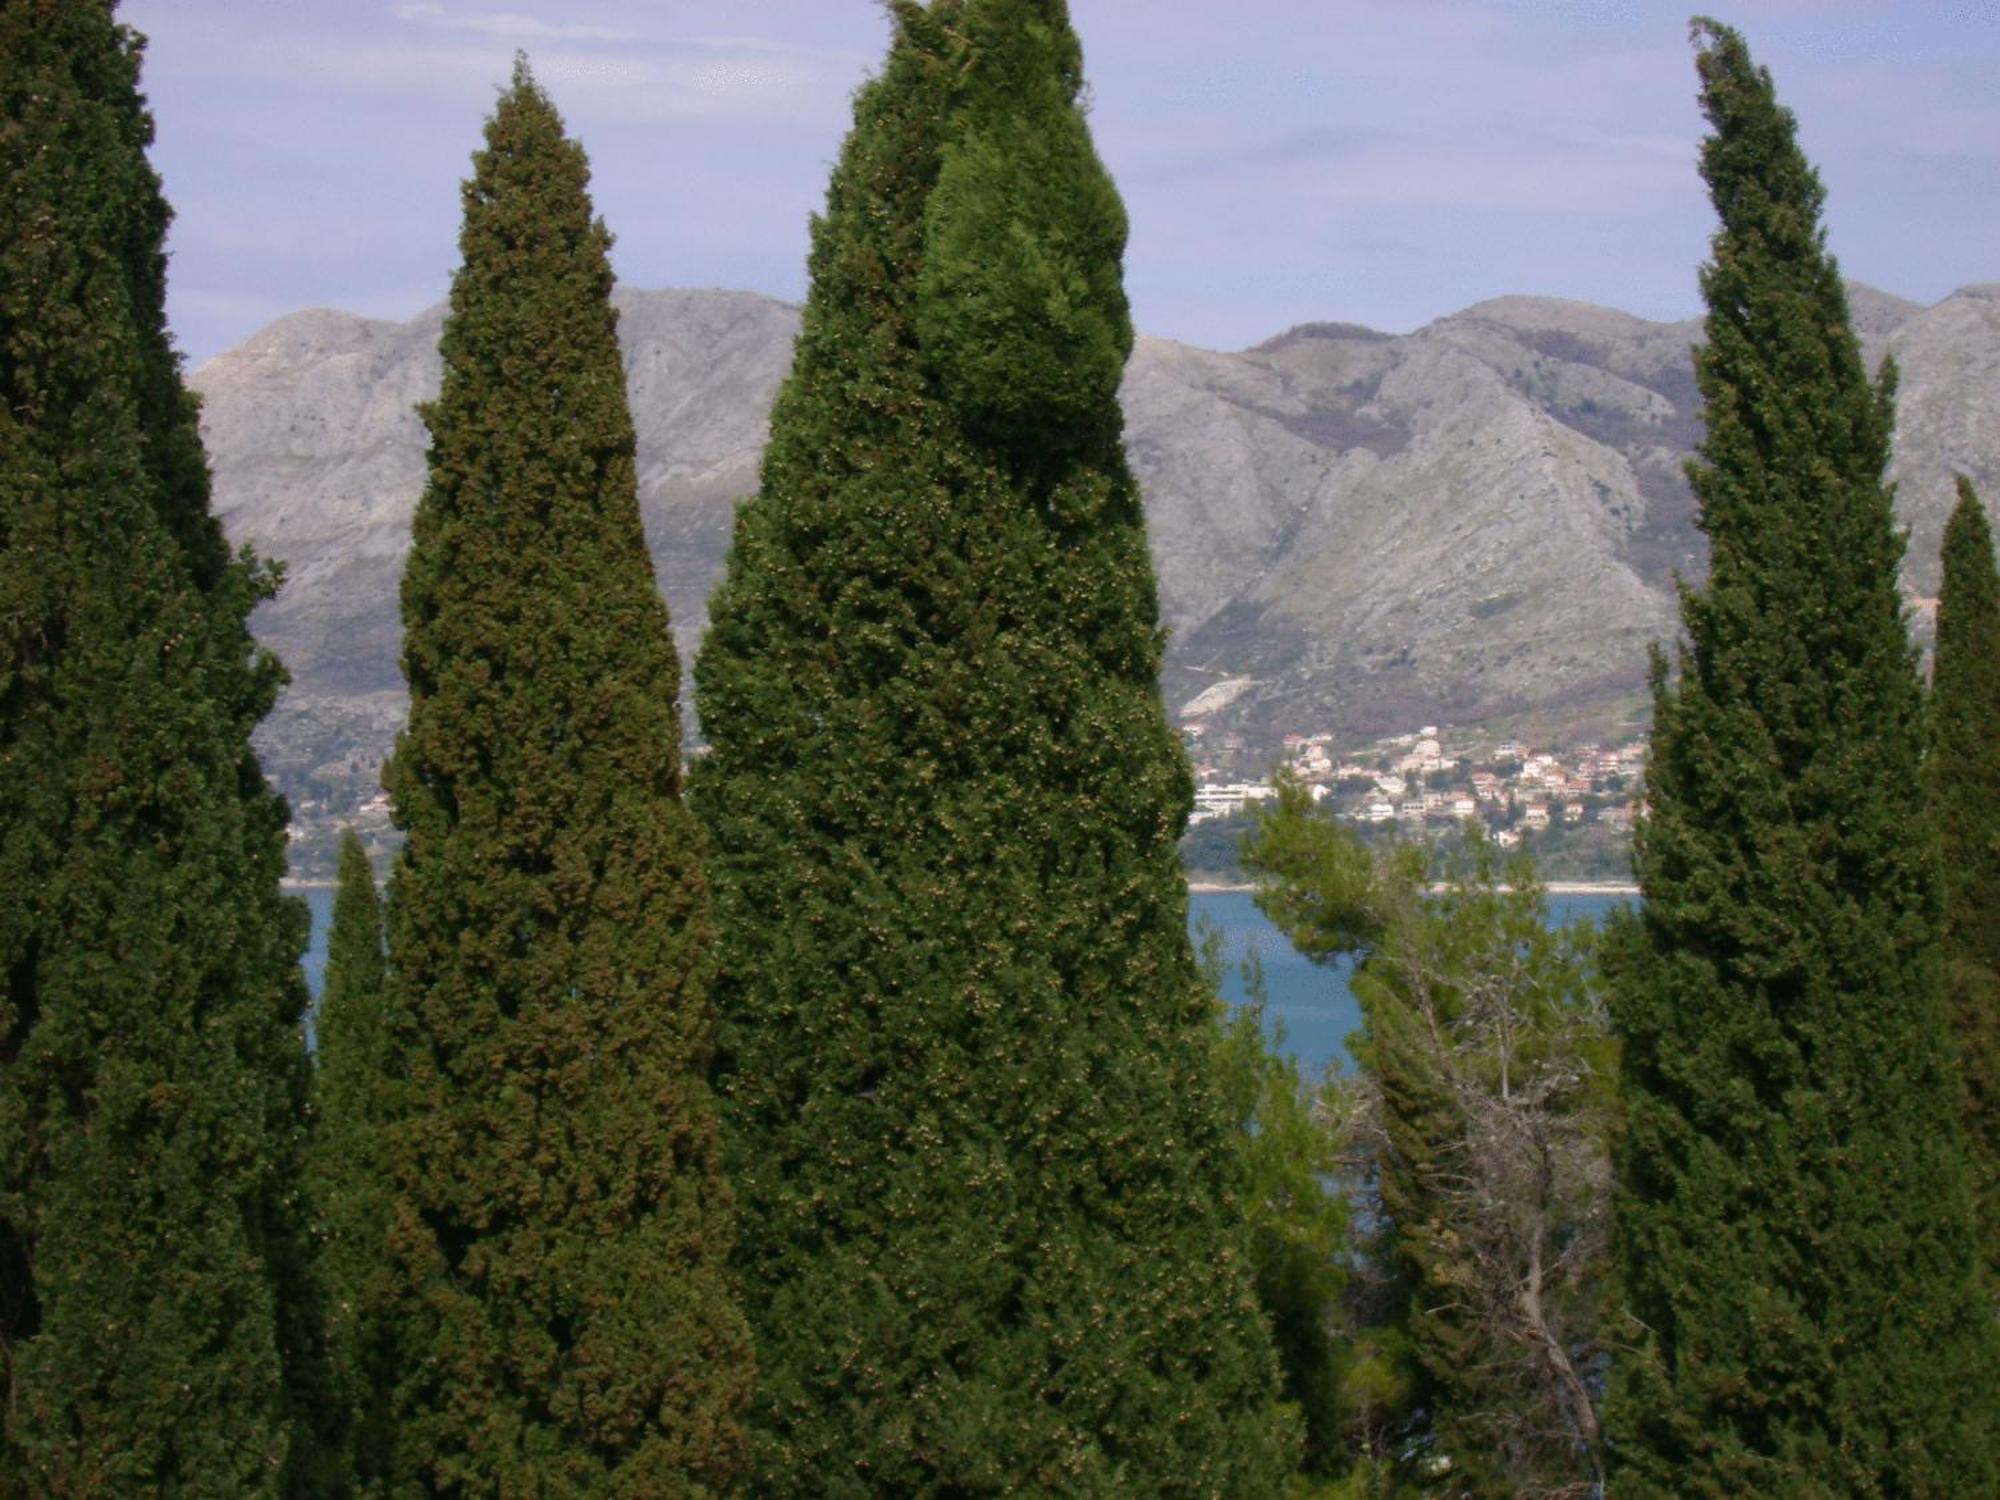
point(1309, 1001)
point(320, 902)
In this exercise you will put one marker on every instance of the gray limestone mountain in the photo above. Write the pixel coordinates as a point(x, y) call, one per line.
point(1479, 521)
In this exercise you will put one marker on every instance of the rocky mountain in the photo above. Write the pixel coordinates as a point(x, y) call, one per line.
point(1477, 521)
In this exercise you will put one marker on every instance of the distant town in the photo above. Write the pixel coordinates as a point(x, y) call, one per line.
point(1574, 803)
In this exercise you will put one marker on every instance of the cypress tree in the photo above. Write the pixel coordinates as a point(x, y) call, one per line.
point(1963, 774)
point(351, 991)
point(560, 1226)
point(156, 1331)
point(1793, 1208)
point(354, 1095)
point(964, 1049)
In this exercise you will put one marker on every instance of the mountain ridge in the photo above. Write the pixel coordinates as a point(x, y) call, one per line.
point(1475, 521)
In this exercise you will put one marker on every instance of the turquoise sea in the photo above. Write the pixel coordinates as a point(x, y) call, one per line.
point(1310, 1002)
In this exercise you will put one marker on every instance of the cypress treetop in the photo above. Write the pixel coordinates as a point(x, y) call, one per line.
point(156, 1331)
point(560, 1225)
point(1793, 1212)
point(964, 1045)
point(351, 989)
point(1964, 783)
point(1020, 304)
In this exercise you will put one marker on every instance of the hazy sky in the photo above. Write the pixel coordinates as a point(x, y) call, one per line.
point(1374, 161)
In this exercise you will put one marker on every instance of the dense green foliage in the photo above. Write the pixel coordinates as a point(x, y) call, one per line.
point(1294, 1219)
point(965, 1051)
point(354, 1097)
point(1963, 777)
point(560, 1227)
point(1478, 1125)
point(1793, 1207)
point(155, 1329)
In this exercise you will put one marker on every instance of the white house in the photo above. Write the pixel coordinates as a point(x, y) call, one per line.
point(1225, 798)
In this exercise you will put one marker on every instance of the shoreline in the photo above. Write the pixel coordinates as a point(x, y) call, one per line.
point(1200, 887)
point(1550, 887)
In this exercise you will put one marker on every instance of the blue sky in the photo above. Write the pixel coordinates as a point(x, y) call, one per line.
point(1375, 161)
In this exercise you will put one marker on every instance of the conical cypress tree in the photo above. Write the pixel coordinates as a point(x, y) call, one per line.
point(351, 991)
point(963, 1040)
point(156, 1333)
point(1963, 774)
point(561, 1227)
point(354, 1093)
point(1793, 1203)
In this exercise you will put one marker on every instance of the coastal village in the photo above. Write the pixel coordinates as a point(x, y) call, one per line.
point(1577, 801)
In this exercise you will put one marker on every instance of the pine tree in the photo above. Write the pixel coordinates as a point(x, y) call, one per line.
point(561, 1228)
point(1793, 1205)
point(964, 1050)
point(1295, 1224)
point(1478, 1119)
point(354, 1094)
point(157, 1333)
point(1963, 775)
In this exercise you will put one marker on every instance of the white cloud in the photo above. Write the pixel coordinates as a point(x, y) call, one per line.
point(509, 25)
point(628, 87)
point(738, 44)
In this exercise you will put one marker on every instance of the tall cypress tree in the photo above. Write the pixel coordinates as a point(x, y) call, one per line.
point(963, 1040)
point(1793, 1203)
point(156, 1333)
point(354, 1091)
point(561, 1227)
point(1963, 774)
